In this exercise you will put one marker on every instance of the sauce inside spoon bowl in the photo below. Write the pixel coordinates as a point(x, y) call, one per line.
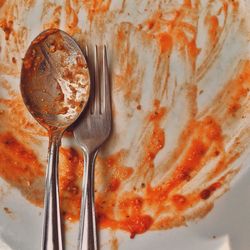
point(54, 79)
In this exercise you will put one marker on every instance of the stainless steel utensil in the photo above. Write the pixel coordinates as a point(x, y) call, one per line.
point(55, 89)
point(91, 132)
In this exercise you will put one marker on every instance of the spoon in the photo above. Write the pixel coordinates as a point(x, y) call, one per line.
point(55, 88)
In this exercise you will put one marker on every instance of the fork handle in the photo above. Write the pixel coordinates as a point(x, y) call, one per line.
point(87, 238)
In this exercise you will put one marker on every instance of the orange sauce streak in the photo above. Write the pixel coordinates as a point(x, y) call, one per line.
point(116, 171)
point(157, 138)
point(187, 3)
point(2, 2)
point(71, 172)
point(206, 132)
point(180, 201)
point(206, 193)
point(137, 224)
point(29, 3)
point(96, 7)
point(213, 28)
point(19, 166)
point(183, 202)
point(54, 23)
point(174, 32)
point(165, 41)
point(240, 89)
point(71, 18)
point(131, 216)
point(127, 79)
point(114, 243)
point(7, 27)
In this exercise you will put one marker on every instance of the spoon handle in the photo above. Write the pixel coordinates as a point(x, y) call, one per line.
point(87, 238)
point(52, 235)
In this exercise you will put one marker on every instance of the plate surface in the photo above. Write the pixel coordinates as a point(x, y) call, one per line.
point(174, 173)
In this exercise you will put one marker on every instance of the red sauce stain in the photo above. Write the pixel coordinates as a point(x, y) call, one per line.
point(114, 243)
point(213, 28)
point(205, 133)
point(55, 20)
point(206, 193)
point(187, 3)
point(235, 4)
point(157, 138)
point(96, 7)
point(22, 158)
point(193, 51)
point(174, 31)
point(113, 185)
point(20, 166)
point(128, 77)
point(180, 201)
point(183, 172)
point(165, 41)
point(240, 87)
point(130, 206)
point(71, 172)
point(155, 145)
point(7, 27)
point(116, 174)
point(137, 224)
point(29, 3)
point(71, 18)
point(115, 169)
point(131, 217)
point(2, 2)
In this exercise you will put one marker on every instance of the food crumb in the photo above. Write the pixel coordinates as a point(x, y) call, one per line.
point(214, 237)
point(7, 210)
point(13, 59)
point(52, 48)
point(138, 107)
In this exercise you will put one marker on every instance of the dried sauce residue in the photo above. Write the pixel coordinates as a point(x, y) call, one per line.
point(21, 168)
point(180, 98)
point(7, 27)
point(68, 89)
point(71, 168)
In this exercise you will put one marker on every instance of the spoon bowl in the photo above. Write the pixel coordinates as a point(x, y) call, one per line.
point(54, 79)
point(55, 86)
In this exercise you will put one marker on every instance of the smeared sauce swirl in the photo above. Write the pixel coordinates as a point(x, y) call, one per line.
point(180, 84)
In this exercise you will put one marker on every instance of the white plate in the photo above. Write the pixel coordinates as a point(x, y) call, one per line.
point(227, 226)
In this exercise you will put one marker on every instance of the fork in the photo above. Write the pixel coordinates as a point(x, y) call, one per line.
point(91, 131)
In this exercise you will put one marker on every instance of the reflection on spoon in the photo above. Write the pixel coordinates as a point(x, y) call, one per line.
point(55, 89)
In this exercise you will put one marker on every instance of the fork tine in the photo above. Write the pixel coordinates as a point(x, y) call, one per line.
point(87, 51)
point(97, 101)
point(106, 94)
point(86, 54)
